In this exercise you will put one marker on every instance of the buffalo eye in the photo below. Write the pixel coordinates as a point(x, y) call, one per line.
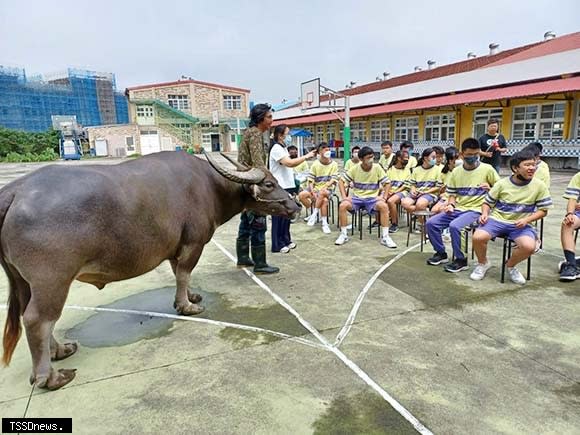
point(269, 184)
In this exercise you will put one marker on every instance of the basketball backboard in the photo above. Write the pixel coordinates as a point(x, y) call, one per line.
point(310, 94)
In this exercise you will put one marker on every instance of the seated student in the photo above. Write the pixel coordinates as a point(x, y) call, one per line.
point(542, 168)
point(300, 171)
point(424, 183)
point(354, 160)
point(321, 180)
point(386, 154)
point(451, 155)
point(569, 270)
point(367, 178)
point(399, 175)
point(408, 146)
point(514, 203)
point(439, 154)
point(467, 187)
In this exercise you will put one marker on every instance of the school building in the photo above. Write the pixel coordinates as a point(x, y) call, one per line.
point(533, 90)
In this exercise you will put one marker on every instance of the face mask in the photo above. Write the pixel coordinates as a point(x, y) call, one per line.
point(472, 160)
point(368, 163)
point(432, 162)
point(458, 163)
point(327, 154)
point(288, 140)
point(355, 155)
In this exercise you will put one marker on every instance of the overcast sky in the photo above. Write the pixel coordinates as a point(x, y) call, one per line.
point(266, 46)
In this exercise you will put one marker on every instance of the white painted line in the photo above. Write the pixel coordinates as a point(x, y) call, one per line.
point(198, 320)
point(419, 427)
point(352, 316)
point(277, 298)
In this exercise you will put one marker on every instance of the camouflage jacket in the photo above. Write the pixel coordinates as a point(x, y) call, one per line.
point(252, 150)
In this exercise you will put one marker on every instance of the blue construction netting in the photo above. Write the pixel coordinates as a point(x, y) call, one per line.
point(28, 103)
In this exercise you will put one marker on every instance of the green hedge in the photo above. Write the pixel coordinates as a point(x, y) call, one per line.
point(22, 146)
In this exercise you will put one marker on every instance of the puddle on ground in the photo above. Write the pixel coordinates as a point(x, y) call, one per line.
point(118, 329)
point(363, 413)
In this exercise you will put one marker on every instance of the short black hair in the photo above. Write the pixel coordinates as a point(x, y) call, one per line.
point(365, 151)
point(258, 113)
point(470, 144)
point(292, 147)
point(322, 145)
point(356, 147)
point(492, 121)
point(387, 142)
point(438, 150)
point(406, 144)
point(535, 147)
point(521, 156)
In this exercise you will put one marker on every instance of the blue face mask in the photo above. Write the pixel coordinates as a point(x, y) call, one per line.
point(432, 162)
point(288, 140)
point(471, 160)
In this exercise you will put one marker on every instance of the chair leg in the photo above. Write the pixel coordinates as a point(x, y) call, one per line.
point(529, 273)
point(360, 221)
point(503, 260)
point(408, 231)
point(472, 250)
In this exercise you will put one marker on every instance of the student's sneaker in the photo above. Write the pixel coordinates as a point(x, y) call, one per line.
point(312, 220)
point(292, 245)
point(349, 227)
point(285, 250)
point(342, 239)
point(457, 265)
point(516, 276)
point(438, 258)
point(479, 272)
point(326, 229)
point(375, 224)
point(569, 272)
point(388, 242)
point(306, 218)
point(563, 262)
point(393, 228)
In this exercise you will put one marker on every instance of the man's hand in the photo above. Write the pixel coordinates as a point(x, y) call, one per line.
point(310, 155)
point(483, 219)
point(449, 208)
point(520, 223)
point(485, 186)
point(569, 219)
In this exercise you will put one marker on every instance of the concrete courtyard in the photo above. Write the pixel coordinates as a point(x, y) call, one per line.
point(352, 339)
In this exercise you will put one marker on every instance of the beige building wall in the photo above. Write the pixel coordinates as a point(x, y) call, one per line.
point(116, 137)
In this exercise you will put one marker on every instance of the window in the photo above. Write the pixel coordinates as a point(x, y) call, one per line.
point(545, 122)
point(330, 135)
point(358, 132)
point(145, 111)
point(232, 102)
point(407, 129)
point(319, 133)
point(179, 102)
point(440, 127)
point(380, 130)
point(480, 118)
point(130, 143)
point(232, 138)
point(308, 139)
point(206, 141)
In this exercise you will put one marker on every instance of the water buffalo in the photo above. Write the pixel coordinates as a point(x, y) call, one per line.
point(98, 224)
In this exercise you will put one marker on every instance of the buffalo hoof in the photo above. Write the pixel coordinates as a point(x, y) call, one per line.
point(194, 298)
point(56, 379)
point(64, 351)
point(189, 309)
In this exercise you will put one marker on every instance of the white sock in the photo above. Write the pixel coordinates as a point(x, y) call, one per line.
point(385, 231)
point(316, 211)
point(344, 231)
point(324, 220)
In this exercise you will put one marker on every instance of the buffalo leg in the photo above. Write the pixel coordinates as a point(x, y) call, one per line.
point(194, 298)
point(60, 351)
point(186, 261)
point(39, 319)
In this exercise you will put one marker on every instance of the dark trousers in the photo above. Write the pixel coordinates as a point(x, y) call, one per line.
point(281, 229)
point(252, 227)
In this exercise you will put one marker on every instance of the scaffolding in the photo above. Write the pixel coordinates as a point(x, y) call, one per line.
point(27, 103)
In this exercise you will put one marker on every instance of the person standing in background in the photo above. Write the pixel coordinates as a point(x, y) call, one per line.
point(492, 145)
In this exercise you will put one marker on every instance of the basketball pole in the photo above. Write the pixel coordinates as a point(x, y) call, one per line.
point(346, 131)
